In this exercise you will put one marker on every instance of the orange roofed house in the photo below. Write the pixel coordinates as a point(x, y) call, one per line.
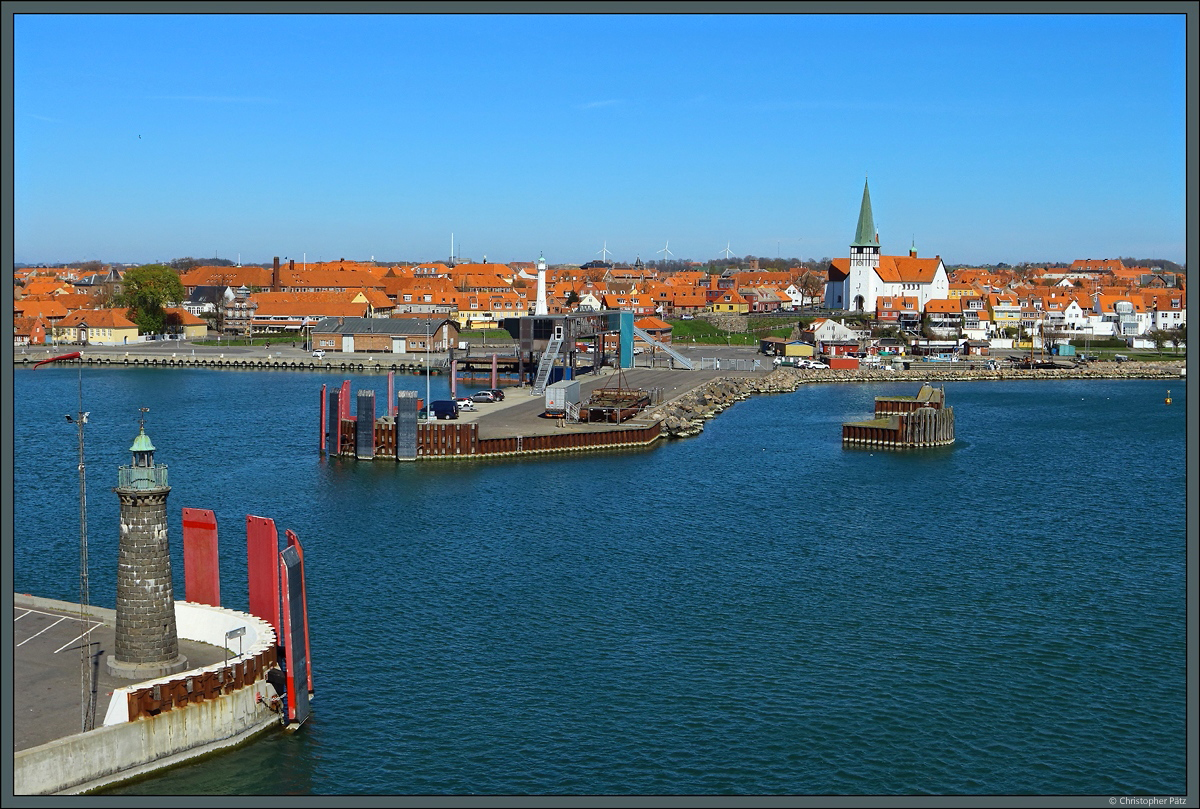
point(109, 327)
point(29, 331)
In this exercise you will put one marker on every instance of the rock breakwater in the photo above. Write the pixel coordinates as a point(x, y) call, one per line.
point(685, 415)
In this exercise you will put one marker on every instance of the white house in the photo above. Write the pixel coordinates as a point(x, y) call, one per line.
point(1120, 315)
point(589, 303)
point(1167, 308)
point(855, 283)
point(826, 330)
point(207, 299)
point(793, 296)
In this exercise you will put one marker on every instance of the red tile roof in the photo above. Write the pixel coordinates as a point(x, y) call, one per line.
point(97, 319)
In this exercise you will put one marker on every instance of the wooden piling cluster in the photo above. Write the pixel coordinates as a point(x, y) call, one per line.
point(448, 440)
point(905, 422)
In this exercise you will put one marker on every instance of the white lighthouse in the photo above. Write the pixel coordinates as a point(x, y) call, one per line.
point(540, 307)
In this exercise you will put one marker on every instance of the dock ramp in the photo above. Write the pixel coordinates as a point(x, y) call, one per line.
point(675, 355)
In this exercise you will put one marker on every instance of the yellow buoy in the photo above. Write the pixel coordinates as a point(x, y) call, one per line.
point(1168, 397)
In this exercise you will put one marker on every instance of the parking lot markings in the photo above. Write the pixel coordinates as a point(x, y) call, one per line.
point(35, 634)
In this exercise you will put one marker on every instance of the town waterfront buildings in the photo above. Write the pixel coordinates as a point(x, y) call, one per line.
point(884, 295)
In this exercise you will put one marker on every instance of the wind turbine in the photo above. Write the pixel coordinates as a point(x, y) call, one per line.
point(666, 251)
point(727, 251)
point(604, 251)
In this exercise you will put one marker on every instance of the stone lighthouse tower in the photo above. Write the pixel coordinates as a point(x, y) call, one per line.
point(147, 645)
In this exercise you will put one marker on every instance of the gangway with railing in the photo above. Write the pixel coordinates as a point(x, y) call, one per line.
point(682, 360)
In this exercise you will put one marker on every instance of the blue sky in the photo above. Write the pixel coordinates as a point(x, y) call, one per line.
point(986, 138)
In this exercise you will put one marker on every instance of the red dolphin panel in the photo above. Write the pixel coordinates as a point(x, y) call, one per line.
point(201, 566)
point(323, 428)
point(262, 564)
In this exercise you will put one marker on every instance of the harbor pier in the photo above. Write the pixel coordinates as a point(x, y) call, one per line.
point(905, 422)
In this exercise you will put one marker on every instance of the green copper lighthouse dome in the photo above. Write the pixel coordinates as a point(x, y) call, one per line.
point(142, 442)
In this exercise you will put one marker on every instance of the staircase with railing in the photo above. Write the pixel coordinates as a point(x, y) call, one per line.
point(546, 365)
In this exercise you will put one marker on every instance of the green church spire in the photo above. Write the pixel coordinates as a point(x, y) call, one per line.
point(865, 235)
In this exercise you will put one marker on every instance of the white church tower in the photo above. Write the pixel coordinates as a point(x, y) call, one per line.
point(862, 283)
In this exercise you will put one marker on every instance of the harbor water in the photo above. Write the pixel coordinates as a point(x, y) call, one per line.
point(754, 611)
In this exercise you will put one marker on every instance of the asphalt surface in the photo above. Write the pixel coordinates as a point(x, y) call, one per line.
point(521, 413)
point(47, 672)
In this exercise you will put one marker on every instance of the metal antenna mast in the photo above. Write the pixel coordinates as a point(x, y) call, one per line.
point(87, 700)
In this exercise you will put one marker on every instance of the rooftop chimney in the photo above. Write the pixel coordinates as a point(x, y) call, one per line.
point(275, 276)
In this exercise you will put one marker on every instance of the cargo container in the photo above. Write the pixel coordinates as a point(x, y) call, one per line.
point(560, 395)
point(844, 363)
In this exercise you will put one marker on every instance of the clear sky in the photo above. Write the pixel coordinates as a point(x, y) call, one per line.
point(985, 138)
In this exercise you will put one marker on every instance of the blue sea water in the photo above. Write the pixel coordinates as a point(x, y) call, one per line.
point(753, 611)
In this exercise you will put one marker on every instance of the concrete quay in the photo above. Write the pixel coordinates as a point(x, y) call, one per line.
point(51, 752)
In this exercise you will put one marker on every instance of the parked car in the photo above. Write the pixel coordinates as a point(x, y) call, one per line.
point(1120, 358)
point(465, 403)
point(319, 353)
point(497, 394)
point(443, 409)
point(483, 396)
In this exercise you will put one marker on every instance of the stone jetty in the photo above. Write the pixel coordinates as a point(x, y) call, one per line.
point(685, 415)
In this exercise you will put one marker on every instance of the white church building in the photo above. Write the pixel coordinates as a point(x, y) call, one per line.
point(856, 283)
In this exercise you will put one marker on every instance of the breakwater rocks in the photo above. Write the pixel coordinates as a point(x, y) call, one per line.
point(685, 415)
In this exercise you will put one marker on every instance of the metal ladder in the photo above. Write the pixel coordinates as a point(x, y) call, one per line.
point(546, 364)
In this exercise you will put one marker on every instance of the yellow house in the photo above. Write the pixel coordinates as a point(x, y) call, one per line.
point(108, 327)
point(181, 321)
point(729, 301)
point(1006, 311)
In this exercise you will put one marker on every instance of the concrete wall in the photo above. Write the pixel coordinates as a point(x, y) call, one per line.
point(115, 753)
